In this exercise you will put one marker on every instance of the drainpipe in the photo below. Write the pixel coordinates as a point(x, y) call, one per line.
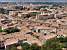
point(5, 47)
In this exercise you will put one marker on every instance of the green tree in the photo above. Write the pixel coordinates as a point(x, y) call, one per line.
point(35, 47)
point(25, 46)
point(12, 47)
point(52, 45)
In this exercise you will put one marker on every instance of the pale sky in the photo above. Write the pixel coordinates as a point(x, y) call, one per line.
point(33, 0)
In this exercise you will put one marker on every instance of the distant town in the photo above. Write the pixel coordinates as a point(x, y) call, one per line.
point(31, 26)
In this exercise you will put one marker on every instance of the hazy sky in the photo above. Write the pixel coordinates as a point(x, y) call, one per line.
point(34, 0)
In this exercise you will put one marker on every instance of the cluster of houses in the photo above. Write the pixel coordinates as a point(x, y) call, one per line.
point(37, 23)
